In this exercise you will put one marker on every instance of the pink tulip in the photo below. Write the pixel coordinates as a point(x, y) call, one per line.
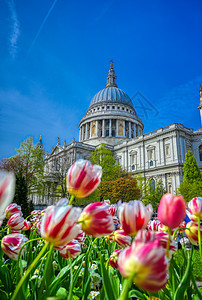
point(96, 220)
point(16, 223)
point(72, 249)
point(148, 263)
point(12, 243)
point(171, 210)
point(120, 238)
point(27, 225)
point(134, 216)
point(192, 232)
point(113, 259)
point(12, 209)
point(195, 207)
point(107, 202)
point(58, 224)
point(7, 191)
point(83, 178)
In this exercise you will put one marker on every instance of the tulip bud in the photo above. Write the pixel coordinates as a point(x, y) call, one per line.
point(113, 259)
point(192, 232)
point(195, 207)
point(121, 238)
point(112, 209)
point(58, 224)
point(72, 249)
point(96, 220)
point(80, 237)
point(12, 209)
point(134, 216)
point(16, 223)
point(83, 178)
point(7, 191)
point(153, 225)
point(148, 263)
point(12, 243)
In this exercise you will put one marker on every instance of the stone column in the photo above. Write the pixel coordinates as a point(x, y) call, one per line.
point(135, 130)
point(103, 128)
point(96, 129)
point(129, 130)
point(124, 128)
point(90, 129)
point(86, 137)
point(110, 127)
point(117, 128)
point(80, 134)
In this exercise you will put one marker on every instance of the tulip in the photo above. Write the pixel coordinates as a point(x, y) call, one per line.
point(16, 223)
point(83, 178)
point(121, 238)
point(72, 249)
point(134, 216)
point(12, 209)
point(113, 259)
point(58, 224)
point(112, 209)
point(7, 191)
point(80, 237)
point(146, 263)
point(153, 225)
point(12, 243)
point(195, 207)
point(107, 202)
point(171, 210)
point(27, 225)
point(192, 232)
point(96, 220)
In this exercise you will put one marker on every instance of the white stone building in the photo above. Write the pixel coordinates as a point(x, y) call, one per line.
point(111, 119)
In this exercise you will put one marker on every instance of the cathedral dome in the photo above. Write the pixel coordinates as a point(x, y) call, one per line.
point(111, 94)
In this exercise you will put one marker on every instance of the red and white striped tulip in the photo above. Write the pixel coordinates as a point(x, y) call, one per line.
point(72, 249)
point(59, 223)
point(12, 209)
point(80, 237)
point(16, 223)
point(112, 209)
point(171, 210)
point(153, 225)
point(192, 232)
point(96, 220)
point(83, 178)
point(113, 259)
point(7, 191)
point(115, 220)
point(27, 225)
point(147, 262)
point(195, 207)
point(107, 202)
point(121, 238)
point(134, 216)
point(12, 243)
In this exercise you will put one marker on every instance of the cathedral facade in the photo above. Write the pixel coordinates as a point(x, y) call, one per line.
point(111, 119)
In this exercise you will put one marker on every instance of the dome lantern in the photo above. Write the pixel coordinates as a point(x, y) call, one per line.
point(111, 78)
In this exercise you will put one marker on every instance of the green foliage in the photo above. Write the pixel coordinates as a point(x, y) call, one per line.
point(191, 170)
point(190, 190)
point(21, 194)
point(151, 191)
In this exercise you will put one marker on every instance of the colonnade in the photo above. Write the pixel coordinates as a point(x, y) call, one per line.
point(109, 128)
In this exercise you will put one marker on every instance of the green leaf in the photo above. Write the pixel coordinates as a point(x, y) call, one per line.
point(138, 294)
point(3, 295)
point(62, 292)
point(109, 289)
point(5, 277)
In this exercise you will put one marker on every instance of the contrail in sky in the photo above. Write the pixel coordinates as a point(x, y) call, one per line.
point(41, 26)
point(15, 29)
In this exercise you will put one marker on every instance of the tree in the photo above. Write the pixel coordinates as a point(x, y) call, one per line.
point(151, 190)
point(191, 170)
point(21, 194)
point(192, 184)
point(30, 161)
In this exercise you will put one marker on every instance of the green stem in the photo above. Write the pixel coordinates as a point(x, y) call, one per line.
point(5, 228)
point(199, 236)
point(127, 285)
point(34, 263)
point(168, 242)
point(179, 228)
point(71, 199)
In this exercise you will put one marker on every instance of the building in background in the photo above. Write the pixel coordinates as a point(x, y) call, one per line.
point(111, 119)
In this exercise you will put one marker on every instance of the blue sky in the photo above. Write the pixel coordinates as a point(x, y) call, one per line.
point(55, 55)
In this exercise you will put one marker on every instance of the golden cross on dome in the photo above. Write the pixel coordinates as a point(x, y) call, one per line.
point(111, 64)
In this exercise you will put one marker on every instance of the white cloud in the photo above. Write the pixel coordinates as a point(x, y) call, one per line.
point(13, 39)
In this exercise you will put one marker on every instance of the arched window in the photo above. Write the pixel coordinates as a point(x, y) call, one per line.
point(152, 185)
point(200, 153)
